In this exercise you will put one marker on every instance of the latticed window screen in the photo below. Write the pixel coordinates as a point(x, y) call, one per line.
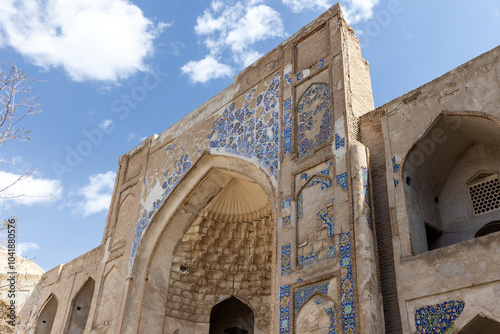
point(484, 190)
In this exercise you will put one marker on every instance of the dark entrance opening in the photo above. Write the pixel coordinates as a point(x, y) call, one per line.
point(231, 317)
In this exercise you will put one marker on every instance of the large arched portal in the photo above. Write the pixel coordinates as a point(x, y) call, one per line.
point(216, 245)
point(231, 316)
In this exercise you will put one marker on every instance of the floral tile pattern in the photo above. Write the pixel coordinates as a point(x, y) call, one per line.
point(438, 319)
point(285, 309)
point(285, 259)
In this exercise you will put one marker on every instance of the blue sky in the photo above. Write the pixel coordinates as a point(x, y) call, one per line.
point(113, 73)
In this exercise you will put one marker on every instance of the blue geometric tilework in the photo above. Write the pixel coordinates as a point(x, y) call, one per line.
point(437, 319)
point(285, 259)
point(287, 78)
point(313, 105)
point(302, 295)
point(320, 64)
point(287, 126)
point(285, 309)
point(242, 133)
point(331, 252)
point(304, 176)
point(305, 260)
point(325, 221)
point(325, 182)
point(339, 142)
point(345, 249)
point(396, 183)
point(342, 180)
point(325, 171)
point(364, 174)
point(333, 319)
point(300, 76)
point(172, 178)
point(395, 166)
point(348, 315)
point(285, 221)
point(286, 203)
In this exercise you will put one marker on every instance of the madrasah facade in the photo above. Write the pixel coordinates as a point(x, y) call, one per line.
point(288, 204)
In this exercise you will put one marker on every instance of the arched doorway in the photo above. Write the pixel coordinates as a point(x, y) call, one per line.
point(231, 316)
point(81, 308)
point(217, 243)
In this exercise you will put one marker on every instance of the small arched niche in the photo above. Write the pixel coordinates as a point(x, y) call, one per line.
point(231, 316)
point(80, 308)
point(440, 173)
point(46, 317)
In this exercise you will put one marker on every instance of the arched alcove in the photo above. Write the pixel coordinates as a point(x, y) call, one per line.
point(318, 315)
point(231, 316)
point(46, 318)
point(80, 308)
point(482, 325)
point(217, 242)
point(440, 175)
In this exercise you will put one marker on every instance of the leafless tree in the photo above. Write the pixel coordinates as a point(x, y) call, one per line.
point(17, 101)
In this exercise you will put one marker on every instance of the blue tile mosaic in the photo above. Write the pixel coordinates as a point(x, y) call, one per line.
point(331, 252)
point(313, 106)
point(300, 76)
point(286, 221)
point(308, 259)
point(304, 176)
point(241, 132)
point(325, 221)
point(300, 209)
point(438, 319)
point(287, 78)
point(396, 183)
point(172, 177)
point(285, 259)
point(345, 249)
point(348, 314)
point(342, 180)
point(286, 203)
point(364, 174)
point(320, 64)
point(285, 309)
point(287, 126)
point(339, 142)
point(325, 171)
point(301, 296)
point(395, 166)
point(333, 319)
point(323, 181)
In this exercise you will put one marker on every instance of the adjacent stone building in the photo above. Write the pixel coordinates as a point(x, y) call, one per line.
point(287, 204)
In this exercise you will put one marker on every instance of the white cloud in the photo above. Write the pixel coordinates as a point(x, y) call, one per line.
point(89, 39)
point(106, 124)
point(206, 69)
point(234, 28)
point(23, 247)
point(354, 10)
point(299, 5)
point(97, 193)
point(28, 190)
point(136, 137)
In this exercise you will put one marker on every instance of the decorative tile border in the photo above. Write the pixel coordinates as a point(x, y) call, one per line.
point(286, 221)
point(307, 259)
point(339, 142)
point(348, 314)
point(286, 203)
point(395, 166)
point(285, 309)
point(325, 221)
point(438, 319)
point(287, 126)
point(285, 259)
